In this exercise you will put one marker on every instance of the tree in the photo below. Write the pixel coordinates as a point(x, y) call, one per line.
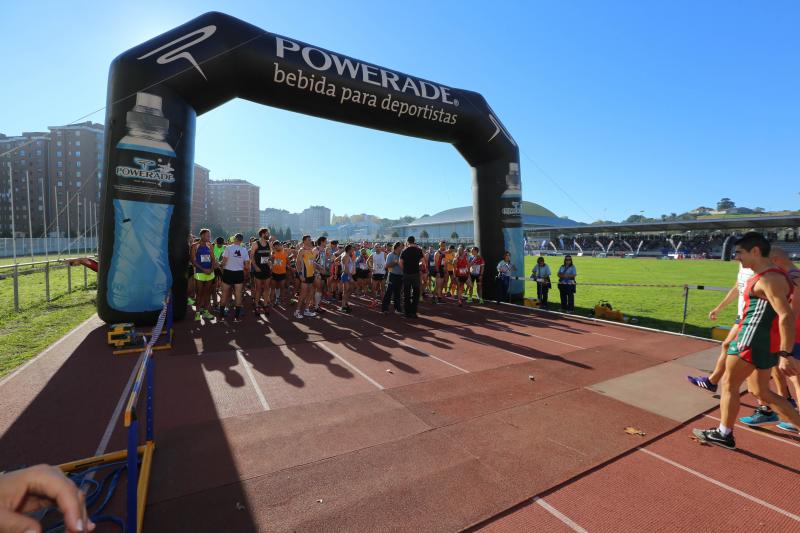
point(454, 235)
point(634, 218)
point(423, 235)
point(725, 203)
point(758, 209)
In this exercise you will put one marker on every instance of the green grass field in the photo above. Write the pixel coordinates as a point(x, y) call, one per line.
point(660, 308)
point(39, 323)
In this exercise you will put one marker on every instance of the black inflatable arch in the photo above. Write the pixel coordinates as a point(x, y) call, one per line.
point(156, 91)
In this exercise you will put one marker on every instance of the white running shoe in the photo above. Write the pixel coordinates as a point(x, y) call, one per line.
point(298, 314)
point(309, 312)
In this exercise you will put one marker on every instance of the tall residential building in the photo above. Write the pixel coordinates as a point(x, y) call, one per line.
point(199, 216)
point(280, 219)
point(76, 174)
point(233, 204)
point(314, 217)
point(28, 155)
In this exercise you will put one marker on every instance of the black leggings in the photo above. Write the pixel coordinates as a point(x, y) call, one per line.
point(567, 296)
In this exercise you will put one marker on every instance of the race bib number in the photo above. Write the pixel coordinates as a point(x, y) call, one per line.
point(205, 258)
point(264, 260)
point(278, 262)
point(462, 271)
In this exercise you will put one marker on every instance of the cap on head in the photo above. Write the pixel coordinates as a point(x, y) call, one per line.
point(238, 237)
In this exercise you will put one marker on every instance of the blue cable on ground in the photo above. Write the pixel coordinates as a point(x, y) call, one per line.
point(95, 490)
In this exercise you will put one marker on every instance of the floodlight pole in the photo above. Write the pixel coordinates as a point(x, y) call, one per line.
point(30, 223)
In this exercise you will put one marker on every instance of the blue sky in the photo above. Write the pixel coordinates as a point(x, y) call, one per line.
point(618, 107)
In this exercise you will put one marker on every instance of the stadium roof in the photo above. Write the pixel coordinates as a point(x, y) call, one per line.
point(731, 223)
point(532, 215)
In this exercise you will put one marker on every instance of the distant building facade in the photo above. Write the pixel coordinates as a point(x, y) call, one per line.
point(199, 216)
point(314, 217)
point(233, 204)
point(62, 170)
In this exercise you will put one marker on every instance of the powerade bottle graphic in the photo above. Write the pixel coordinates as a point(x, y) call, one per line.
point(143, 195)
point(511, 216)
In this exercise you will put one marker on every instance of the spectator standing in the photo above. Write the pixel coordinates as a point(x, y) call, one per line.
point(566, 284)
point(409, 262)
point(541, 275)
point(504, 270)
point(395, 284)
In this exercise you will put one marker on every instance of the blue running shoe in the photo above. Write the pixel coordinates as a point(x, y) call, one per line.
point(788, 426)
point(702, 382)
point(759, 418)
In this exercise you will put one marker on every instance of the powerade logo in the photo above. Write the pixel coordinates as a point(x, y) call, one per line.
point(323, 61)
point(162, 174)
point(515, 210)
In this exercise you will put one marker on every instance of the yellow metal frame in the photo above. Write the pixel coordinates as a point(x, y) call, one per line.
point(145, 451)
point(138, 349)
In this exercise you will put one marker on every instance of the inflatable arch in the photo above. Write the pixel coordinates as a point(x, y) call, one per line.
point(157, 89)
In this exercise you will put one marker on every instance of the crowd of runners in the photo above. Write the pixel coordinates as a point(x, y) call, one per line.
point(309, 272)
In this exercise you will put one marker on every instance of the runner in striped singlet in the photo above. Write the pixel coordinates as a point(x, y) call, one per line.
point(766, 299)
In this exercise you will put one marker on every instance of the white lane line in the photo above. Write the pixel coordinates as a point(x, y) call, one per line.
point(558, 514)
point(112, 423)
point(246, 365)
point(423, 352)
point(609, 336)
point(36, 357)
point(350, 365)
point(722, 485)
point(559, 342)
point(762, 433)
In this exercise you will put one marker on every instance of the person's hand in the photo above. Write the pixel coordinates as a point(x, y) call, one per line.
point(789, 366)
point(30, 489)
point(712, 315)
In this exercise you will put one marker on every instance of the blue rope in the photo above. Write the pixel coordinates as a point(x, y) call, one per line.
point(104, 489)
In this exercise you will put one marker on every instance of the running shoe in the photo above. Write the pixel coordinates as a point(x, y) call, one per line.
point(197, 316)
point(760, 417)
point(788, 426)
point(481, 301)
point(223, 312)
point(469, 300)
point(207, 315)
point(347, 309)
point(298, 315)
point(309, 312)
point(793, 402)
point(713, 436)
point(293, 301)
point(190, 301)
point(703, 382)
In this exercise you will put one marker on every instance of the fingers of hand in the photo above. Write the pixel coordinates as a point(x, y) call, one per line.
point(11, 522)
point(51, 482)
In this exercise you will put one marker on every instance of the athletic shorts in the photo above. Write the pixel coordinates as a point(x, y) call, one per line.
point(440, 274)
point(232, 277)
point(189, 271)
point(346, 278)
point(218, 272)
point(202, 276)
point(264, 274)
point(379, 277)
point(759, 356)
point(475, 277)
point(308, 280)
point(278, 277)
point(462, 279)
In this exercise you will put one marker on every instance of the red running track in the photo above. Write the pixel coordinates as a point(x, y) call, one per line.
point(368, 422)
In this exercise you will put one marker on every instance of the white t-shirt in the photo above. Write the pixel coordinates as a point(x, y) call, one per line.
point(237, 255)
point(741, 280)
point(379, 263)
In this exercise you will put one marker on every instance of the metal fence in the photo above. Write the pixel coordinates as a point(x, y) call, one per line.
point(54, 281)
point(47, 245)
